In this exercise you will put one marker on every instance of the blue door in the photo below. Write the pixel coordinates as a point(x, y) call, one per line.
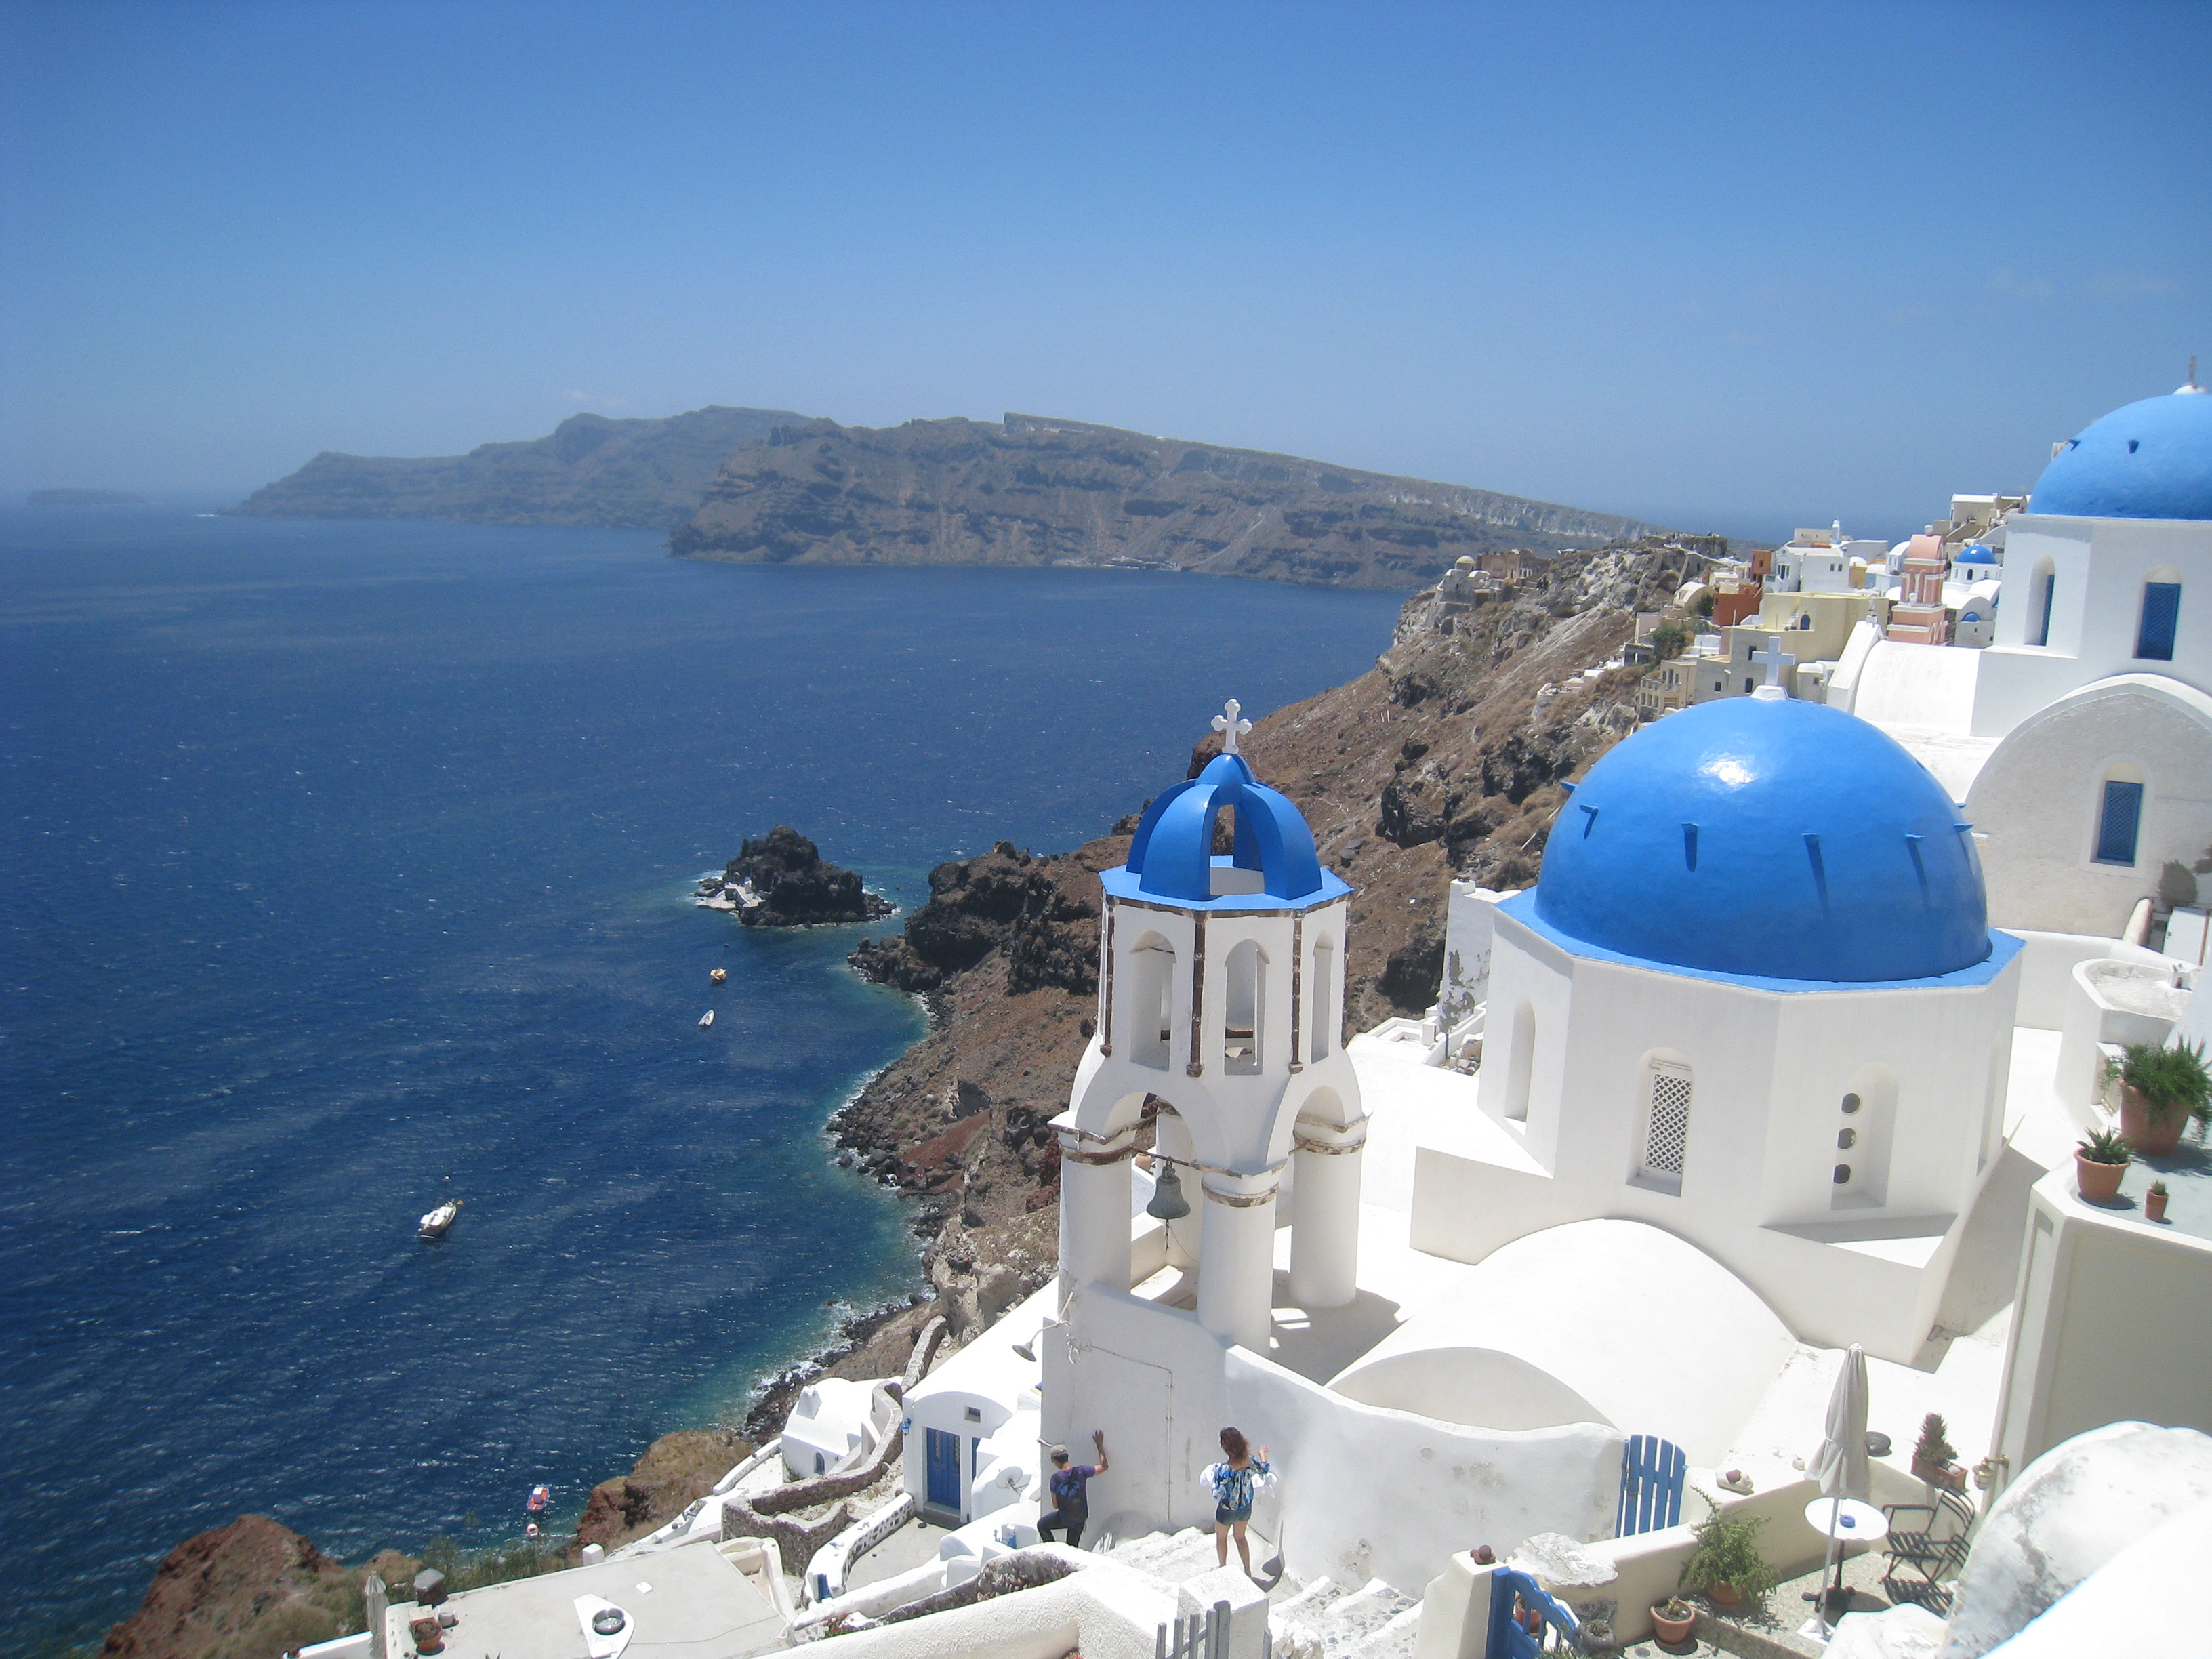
point(945, 1471)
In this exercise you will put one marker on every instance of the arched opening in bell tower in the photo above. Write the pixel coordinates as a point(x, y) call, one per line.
point(1246, 1001)
point(1151, 1003)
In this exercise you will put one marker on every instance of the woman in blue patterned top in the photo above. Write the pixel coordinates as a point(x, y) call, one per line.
point(1233, 1481)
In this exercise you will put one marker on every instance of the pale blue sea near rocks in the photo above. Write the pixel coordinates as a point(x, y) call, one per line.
point(346, 865)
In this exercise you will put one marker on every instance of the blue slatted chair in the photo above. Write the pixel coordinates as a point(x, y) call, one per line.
point(1651, 1471)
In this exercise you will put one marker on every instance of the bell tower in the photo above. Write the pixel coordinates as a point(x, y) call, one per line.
point(1221, 994)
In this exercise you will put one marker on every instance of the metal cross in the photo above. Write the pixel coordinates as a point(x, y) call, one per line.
point(1229, 727)
point(1773, 656)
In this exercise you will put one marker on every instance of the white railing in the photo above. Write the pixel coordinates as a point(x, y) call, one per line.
point(826, 1572)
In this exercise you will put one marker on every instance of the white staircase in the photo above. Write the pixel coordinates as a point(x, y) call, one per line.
point(1318, 1620)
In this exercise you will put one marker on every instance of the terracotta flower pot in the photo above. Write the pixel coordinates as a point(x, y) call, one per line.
point(1724, 1596)
point(1939, 1474)
point(2155, 1205)
point(2155, 1133)
point(1672, 1630)
point(2097, 1182)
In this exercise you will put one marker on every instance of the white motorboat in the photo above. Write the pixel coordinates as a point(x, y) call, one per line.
point(434, 1225)
point(707, 1019)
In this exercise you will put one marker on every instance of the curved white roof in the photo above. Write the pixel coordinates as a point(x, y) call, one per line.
point(1596, 1321)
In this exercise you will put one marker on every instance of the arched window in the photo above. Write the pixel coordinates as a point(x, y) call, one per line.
point(1521, 1069)
point(1666, 1139)
point(2120, 815)
point(1865, 1113)
point(2042, 594)
point(1322, 1009)
point(1246, 999)
point(1152, 1002)
point(2161, 617)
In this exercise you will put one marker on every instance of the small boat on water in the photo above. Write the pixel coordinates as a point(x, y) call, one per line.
point(707, 1019)
point(719, 975)
point(539, 1497)
point(434, 1225)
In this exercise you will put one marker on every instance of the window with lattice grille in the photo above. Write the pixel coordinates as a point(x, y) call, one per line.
point(1667, 1123)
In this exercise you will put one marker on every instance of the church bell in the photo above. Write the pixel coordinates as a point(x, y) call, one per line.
point(1167, 1202)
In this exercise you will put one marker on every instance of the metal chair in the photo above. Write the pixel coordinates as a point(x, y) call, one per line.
point(1932, 1539)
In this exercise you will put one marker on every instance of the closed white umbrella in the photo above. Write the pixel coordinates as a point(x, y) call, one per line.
point(1840, 1466)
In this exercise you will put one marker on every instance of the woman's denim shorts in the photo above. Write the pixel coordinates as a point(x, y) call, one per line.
point(1225, 1517)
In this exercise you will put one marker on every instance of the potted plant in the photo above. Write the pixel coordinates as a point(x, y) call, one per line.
point(1726, 1563)
point(1932, 1455)
point(2162, 1090)
point(1673, 1620)
point(2099, 1164)
point(2154, 1202)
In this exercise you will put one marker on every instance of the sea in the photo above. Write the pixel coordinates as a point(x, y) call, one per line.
point(348, 867)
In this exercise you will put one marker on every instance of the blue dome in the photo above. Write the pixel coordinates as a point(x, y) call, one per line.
point(2149, 460)
point(1769, 840)
point(1172, 853)
point(1975, 553)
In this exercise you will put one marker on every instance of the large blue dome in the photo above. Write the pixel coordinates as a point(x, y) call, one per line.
point(1769, 840)
point(2149, 460)
point(1171, 856)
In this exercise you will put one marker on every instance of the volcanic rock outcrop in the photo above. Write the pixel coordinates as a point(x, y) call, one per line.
point(782, 880)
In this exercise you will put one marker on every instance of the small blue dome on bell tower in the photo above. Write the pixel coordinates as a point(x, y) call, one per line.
point(1171, 857)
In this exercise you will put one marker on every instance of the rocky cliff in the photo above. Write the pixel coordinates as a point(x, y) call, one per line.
point(250, 1590)
point(647, 474)
point(1033, 491)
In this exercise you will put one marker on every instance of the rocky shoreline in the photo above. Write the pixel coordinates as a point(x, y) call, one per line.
point(1435, 764)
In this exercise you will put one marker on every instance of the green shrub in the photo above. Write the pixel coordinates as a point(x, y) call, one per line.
point(2170, 1080)
point(1934, 1446)
point(1727, 1553)
point(2107, 1146)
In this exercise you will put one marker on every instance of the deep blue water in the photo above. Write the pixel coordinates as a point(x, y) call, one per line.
point(347, 864)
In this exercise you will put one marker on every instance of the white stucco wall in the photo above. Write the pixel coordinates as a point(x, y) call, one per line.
point(2101, 565)
point(1366, 1491)
point(2108, 1324)
point(987, 1377)
point(2038, 798)
point(1770, 1069)
point(1538, 1336)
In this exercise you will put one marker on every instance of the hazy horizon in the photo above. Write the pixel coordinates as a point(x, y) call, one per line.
point(1726, 266)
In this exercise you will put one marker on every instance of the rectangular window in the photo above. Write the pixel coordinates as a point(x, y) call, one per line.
point(2050, 596)
point(2117, 826)
point(1666, 1128)
point(2161, 610)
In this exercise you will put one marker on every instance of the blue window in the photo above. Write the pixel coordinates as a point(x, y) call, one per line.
point(2118, 824)
point(2050, 596)
point(2161, 610)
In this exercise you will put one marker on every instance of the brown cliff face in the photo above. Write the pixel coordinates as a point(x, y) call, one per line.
point(1432, 765)
point(1033, 491)
point(250, 1590)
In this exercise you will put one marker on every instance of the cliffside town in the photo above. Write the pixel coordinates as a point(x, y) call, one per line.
point(1436, 762)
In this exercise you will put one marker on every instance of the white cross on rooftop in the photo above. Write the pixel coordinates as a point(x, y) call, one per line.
point(1229, 727)
point(1774, 657)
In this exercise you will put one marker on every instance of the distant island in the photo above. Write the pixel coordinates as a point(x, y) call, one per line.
point(766, 486)
point(782, 880)
point(629, 474)
point(1030, 491)
point(85, 498)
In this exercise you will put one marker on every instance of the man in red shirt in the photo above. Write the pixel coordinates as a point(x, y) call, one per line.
point(1071, 1496)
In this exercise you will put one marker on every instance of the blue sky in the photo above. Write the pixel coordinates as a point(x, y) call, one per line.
point(1729, 266)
